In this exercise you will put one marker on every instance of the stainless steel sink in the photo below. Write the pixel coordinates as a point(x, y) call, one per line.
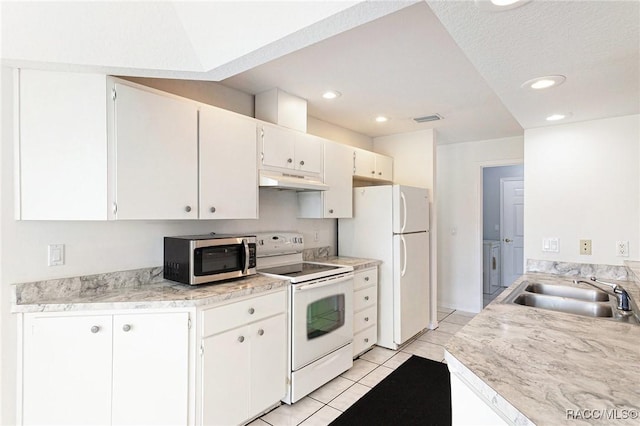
point(572, 300)
point(564, 304)
point(590, 295)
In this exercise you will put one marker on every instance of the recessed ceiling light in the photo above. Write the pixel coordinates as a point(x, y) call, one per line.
point(544, 82)
point(500, 5)
point(331, 94)
point(556, 117)
point(381, 119)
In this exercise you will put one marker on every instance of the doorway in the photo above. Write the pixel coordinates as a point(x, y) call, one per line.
point(502, 228)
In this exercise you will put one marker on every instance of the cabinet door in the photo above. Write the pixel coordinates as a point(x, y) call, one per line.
point(278, 147)
point(67, 370)
point(338, 174)
point(364, 164)
point(308, 153)
point(150, 369)
point(226, 377)
point(268, 363)
point(156, 156)
point(63, 140)
point(384, 167)
point(228, 166)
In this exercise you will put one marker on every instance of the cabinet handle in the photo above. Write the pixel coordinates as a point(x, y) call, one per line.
point(366, 319)
point(289, 160)
point(241, 339)
point(187, 209)
point(126, 327)
point(212, 209)
point(380, 173)
point(366, 278)
point(330, 210)
point(373, 172)
point(260, 332)
point(366, 340)
point(95, 329)
point(251, 311)
point(366, 298)
point(302, 163)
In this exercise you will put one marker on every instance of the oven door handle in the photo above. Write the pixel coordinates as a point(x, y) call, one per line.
point(245, 244)
point(325, 283)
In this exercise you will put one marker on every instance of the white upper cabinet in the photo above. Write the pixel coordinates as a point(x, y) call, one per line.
point(228, 165)
point(154, 153)
point(283, 148)
point(372, 166)
point(62, 156)
point(337, 201)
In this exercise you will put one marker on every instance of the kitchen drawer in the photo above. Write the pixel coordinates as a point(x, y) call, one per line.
point(364, 339)
point(365, 278)
point(365, 298)
point(365, 318)
point(236, 314)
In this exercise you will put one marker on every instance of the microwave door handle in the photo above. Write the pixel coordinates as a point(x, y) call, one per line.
point(245, 244)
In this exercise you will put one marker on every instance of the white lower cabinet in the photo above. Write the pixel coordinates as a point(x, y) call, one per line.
point(243, 359)
point(469, 408)
point(103, 369)
point(365, 310)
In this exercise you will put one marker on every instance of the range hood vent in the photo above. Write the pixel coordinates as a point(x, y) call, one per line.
point(427, 118)
point(279, 180)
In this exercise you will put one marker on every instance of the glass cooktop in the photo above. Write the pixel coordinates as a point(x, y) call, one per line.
point(299, 269)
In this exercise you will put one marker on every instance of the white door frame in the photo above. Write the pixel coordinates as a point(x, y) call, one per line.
point(481, 165)
point(502, 181)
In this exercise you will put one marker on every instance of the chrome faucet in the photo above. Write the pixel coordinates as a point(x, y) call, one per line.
point(618, 292)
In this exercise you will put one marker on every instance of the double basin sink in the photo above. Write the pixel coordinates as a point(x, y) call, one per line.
point(573, 300)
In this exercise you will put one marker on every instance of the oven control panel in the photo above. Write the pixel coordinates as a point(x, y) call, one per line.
point(274, 243)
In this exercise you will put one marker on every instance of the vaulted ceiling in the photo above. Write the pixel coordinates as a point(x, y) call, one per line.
point(402, 59)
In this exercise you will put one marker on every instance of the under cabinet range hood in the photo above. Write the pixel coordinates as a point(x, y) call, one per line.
point(282, 180)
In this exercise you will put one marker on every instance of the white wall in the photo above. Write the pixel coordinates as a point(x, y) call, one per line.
point(491, 197)
point(95, 247)
point(459, 208)
point(414, 164)
point(339, 134)
point(582, 183)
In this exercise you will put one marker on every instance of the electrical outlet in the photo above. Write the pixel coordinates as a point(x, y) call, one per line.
point(585, 247)
point(622, 248)
point(55, 254)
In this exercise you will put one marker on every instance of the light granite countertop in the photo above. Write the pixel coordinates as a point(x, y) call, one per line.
point(536, 365)
point(136, 289)
point(145, 288)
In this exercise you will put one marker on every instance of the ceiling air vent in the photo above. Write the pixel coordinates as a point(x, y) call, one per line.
point(426, 118)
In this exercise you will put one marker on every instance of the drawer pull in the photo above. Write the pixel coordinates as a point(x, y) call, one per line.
point(95, 329)
point(126, 327)
point(366, 298)
point(366, 340)
point(366, 278)
point(251, 311)
point(260, 332)
point(241, 339)
point(366, 319)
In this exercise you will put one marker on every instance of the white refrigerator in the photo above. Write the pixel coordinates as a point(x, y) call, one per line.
point(391, 223)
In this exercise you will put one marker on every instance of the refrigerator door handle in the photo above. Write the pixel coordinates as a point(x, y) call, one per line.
point(404, 251)
point(404, 211)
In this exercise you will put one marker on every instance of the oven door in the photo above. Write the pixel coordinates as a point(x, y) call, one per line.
point(321, 318)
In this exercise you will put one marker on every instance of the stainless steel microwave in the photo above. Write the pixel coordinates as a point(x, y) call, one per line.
point(201, 259)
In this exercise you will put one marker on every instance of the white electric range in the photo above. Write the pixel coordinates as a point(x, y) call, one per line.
point(320, 312)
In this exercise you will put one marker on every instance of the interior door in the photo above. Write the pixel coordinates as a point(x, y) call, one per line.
point(410, 209)
point(512, 229)
point(411, 285)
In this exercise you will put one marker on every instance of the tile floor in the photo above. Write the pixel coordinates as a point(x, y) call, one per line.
point(325, 404)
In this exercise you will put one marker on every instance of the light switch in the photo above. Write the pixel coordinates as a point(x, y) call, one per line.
point(551, 245)
point(56, 254)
